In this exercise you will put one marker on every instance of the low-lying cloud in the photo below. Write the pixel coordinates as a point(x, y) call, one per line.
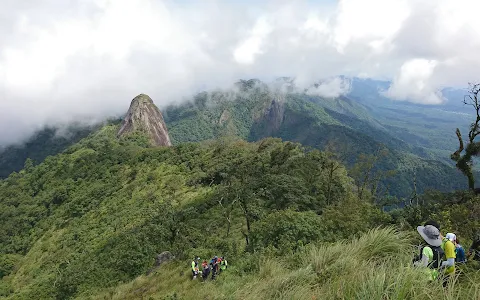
point(63, 61)
point(330, 88)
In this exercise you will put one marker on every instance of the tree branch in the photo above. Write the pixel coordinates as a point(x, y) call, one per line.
point(456, 155)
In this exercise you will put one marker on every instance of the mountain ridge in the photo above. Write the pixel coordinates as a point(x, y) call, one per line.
point(255, 110)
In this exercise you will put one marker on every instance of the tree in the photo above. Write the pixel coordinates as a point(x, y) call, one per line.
point(367, 175)
point(28, 166)
point(286, 231)
point(464, 161)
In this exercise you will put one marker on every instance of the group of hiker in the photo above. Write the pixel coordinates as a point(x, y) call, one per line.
point(215, 266)
point(441, 253)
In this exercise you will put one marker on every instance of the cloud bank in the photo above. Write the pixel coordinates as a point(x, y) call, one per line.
point(62, 61)
point(330, 88)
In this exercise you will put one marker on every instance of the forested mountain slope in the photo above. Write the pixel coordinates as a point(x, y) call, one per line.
point(258, 111)
point(44, 143)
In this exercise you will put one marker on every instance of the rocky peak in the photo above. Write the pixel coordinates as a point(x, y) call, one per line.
point(143, 115)
point(274, 114)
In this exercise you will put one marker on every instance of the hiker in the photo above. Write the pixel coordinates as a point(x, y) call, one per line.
point(195, 267)
point(474, 250)
point(205, 270)
point(459, 253)
point(448, 265)
point(214, 266)
point(431, 254)
point(223, 264)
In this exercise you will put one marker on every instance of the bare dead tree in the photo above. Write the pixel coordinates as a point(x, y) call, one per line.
point(227, 212)
point(464, 161)
point(414, 195)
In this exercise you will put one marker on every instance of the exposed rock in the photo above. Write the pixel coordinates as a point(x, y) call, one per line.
point(274, 115)
point(163, 257)
point(271, 119)
point(143, 115)
point(160, 259)
point(224, 117)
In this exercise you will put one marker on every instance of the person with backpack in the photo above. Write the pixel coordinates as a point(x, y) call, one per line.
point(430, 254)
point(448, 265)
point(214, 266)
point(223, 264)
point(195, 267)
point(474, 250)
point(205, 270)
point(460, 253)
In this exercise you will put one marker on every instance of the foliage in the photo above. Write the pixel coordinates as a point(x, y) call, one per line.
point(472, 148)
point(287, 231)
point(293, 221)
point(97, 214)
point(255, 111)
point(457, 212)
point(48, 141)
point(375, 265)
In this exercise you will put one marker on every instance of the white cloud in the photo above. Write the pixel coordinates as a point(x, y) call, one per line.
point(330, 88)
point(373, 21)
point(246, 52)
point(413, 83)
point(64, 60)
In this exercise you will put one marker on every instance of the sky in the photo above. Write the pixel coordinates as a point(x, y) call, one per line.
point(84, 60)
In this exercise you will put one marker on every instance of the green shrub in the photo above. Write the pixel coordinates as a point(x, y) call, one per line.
point(286, 231)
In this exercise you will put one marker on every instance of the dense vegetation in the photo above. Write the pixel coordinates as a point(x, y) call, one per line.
point(88, 220)
point(48, 141)
point(419, 139)
point(255, 111)
point(373, 266)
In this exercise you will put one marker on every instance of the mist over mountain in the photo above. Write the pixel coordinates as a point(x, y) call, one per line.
point(64, 63)
point(426, 130)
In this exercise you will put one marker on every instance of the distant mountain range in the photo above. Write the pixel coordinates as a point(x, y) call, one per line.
point(419, 138)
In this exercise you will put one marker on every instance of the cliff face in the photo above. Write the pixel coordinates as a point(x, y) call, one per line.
point(143, 115)
point(270, 121)
point(274, 115)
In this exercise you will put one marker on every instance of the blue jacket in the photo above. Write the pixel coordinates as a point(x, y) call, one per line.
point(460, 253)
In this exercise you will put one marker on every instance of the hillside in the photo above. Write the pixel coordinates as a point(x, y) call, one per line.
point(43, 143)
point(257, 111)
point(100, 212)
point(376, 268)
point(88, 222)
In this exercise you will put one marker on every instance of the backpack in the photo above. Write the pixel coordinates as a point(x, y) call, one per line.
point(437, 256)
point(438, 253)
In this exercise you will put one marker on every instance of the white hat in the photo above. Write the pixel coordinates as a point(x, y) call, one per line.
point(451, 236)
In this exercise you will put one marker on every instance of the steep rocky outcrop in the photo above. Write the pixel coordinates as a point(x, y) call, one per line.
point(270, 121)
point(274, 115)
point(144, 116)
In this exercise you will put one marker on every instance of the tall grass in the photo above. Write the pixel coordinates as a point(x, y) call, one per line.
point(376, 265)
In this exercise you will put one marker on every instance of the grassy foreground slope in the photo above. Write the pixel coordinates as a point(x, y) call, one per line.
point(377, 265)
